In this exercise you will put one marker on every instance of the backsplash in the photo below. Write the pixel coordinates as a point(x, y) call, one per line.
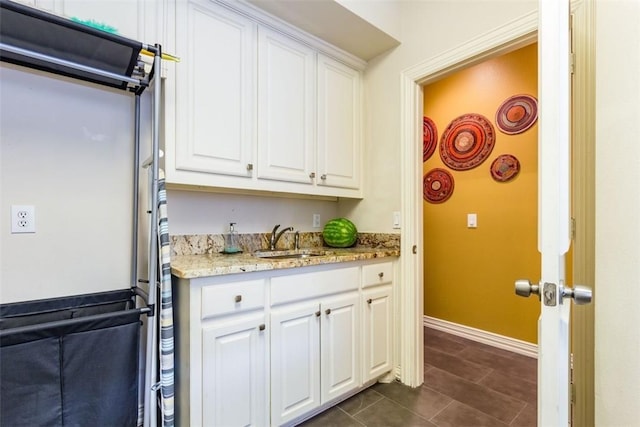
point(213, 243)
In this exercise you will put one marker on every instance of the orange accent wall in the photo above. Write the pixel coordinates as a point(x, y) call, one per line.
point(469, 273)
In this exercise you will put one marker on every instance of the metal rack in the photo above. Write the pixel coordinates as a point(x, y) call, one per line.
point(39, 40)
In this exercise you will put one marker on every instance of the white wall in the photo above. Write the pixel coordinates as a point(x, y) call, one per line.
point(210, 213)
point(66, 148)
point(617, 318)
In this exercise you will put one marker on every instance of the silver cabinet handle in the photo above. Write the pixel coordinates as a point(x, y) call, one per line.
point(328, 311)
point(381, 274)
point(312, 175)
point(262, 327)
point(249, 166)
point(238, 298)
point(323, 176)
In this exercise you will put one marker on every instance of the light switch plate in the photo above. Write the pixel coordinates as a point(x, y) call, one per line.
point(472, 220)
point(396, 219)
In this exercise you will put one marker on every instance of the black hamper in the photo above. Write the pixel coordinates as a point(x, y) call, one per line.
point(70, 361)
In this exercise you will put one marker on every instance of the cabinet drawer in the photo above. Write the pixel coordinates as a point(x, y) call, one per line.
point(232, 298)
point(377, 274)
point(310, 285)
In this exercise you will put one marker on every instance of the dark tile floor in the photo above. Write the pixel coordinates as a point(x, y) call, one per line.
point(465, 384)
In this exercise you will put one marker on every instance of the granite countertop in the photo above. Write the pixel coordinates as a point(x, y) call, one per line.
point(216, 264)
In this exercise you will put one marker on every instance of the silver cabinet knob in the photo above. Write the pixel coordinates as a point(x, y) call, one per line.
point(381, 274)
point(323, 177)
point(318, 313)
point(312, 175)
point(262, 327)
point(238, 298)
point(327, 311)
point(525, 288)
point(369, 301)
point(249, 166)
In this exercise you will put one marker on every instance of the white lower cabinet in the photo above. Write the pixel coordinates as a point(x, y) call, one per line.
point(377, 330)
point(314, 354)
point(234, 373)
point(340, 345)
point(377, 325)
point(222, 351)
point(295, 361)
point(272, 348)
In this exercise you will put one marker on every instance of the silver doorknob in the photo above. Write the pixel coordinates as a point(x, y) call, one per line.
point(581, 294)
point(525, 288)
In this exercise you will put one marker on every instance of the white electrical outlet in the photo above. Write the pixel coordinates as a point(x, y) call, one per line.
point(316, 220)
point(23, 219)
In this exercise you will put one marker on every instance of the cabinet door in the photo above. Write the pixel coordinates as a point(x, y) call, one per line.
point(340, 346)
point(377, 309)
point(234, 370)
point(215, 91)
point(295, 361)
point(286, 109)
point(339, 127)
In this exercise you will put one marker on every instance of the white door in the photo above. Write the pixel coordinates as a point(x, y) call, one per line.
point(295, 360)
point(553, 215)
point(215, 90)
point(286, 108)
point(339, 106)
point(377, 345)
point(340, 355)
point(235, 374)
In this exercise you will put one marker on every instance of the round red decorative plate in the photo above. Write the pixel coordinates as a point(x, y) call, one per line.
point(517, 114)
point(467, 142)
point(505, 168)
point(437, 185)
point(429, 138)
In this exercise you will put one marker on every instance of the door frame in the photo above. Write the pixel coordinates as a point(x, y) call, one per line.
point(509, 37)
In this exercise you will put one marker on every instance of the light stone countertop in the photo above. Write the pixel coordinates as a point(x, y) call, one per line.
point(204, 265)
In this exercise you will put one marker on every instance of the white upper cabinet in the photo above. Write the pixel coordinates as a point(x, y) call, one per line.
point(256, 104)
point(215, 91)
point(286, 108)
point(339, 133)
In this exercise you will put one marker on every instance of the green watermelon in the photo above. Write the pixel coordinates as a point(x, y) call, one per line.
point(340, 233)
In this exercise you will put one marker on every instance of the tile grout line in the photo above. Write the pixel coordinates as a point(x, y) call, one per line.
point(366, 407)
point(353, 416)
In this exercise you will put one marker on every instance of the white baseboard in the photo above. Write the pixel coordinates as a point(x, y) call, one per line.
point(484, 337)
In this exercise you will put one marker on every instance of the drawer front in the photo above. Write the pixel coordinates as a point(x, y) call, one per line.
point(377, 274)
point(232, 298)
point(310, 285)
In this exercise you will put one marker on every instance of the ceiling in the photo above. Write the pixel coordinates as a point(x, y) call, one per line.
point(332, 22)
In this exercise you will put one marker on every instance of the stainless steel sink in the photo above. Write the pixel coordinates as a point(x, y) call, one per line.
point(301, 253)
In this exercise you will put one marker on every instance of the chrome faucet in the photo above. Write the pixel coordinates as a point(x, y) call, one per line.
point(275, 237)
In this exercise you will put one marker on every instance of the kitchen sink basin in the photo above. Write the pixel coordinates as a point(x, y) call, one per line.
point(289, 254)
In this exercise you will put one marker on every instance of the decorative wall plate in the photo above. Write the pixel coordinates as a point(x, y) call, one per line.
point(429, 138)
point(517, 114)
point(505, 168)
point(467, 141)
point(437, 185)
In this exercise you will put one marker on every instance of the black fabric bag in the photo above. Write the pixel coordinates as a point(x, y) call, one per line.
point(70, 361)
